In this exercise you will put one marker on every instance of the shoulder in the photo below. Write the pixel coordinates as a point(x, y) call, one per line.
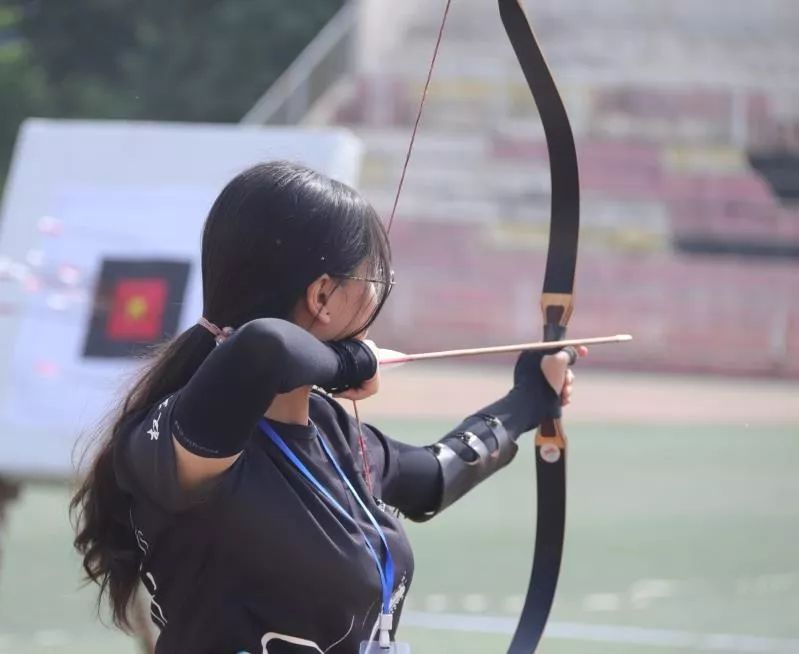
point(326, 411)
point(147, 427)
point(325, 407)
point(145, 461)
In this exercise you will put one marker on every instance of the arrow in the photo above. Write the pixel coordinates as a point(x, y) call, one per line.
point(394, 358)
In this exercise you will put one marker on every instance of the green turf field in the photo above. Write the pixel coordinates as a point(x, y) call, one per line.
point(679, 539)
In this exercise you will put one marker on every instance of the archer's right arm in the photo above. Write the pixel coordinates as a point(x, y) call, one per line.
point(211, 418)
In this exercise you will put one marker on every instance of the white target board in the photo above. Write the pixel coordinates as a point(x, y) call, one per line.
point(100, 233)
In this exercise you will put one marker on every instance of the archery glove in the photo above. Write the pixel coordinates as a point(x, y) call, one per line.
point(529, 378)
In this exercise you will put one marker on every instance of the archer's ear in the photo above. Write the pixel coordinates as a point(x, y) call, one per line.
point(317, 297)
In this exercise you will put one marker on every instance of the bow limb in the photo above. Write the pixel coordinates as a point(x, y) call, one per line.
point(557, 305)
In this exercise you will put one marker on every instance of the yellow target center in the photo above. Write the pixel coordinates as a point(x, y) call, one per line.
point(136, 308)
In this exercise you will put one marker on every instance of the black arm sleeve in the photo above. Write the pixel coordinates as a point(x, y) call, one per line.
point(416, 487)
point(216, 411)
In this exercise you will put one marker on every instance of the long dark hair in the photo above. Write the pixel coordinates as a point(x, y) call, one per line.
point(272, 231)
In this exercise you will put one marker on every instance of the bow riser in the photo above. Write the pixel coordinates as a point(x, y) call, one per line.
point(557, 309)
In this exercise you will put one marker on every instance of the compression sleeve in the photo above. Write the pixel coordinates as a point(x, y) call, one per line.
point(415, 485)
point(216, 411)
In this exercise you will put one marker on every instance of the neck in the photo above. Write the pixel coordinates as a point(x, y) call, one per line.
point(291, 408)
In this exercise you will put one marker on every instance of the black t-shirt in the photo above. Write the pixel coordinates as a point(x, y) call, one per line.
point(259, 561)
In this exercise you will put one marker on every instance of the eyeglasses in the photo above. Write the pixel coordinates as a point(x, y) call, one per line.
point(391, 281)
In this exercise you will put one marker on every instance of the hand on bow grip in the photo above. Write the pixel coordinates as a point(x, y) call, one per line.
point(547, 378)
point(558, 373)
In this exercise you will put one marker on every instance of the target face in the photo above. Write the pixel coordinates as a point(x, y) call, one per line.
point(136, 305)
point(100, 262)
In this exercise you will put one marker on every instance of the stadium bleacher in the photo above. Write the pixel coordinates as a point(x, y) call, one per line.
point(684, 242)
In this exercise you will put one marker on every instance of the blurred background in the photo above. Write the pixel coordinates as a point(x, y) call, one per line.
point(121, 120)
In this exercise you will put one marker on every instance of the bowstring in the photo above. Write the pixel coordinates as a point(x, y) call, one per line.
point(367, 473)
point(361, 439)
point(419, 115)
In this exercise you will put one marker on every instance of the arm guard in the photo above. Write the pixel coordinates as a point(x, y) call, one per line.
point(486, 441)
point(471, 453)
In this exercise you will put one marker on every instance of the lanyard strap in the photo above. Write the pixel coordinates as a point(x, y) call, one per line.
point(386, 573)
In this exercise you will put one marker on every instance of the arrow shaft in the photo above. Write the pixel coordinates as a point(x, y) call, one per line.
point(502, 349)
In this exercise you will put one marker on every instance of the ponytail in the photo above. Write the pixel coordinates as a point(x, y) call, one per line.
point(100, 509)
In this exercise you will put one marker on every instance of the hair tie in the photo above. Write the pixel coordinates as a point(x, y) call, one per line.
point(220, 335)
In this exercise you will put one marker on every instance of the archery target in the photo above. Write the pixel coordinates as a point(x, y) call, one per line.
point(99, 260)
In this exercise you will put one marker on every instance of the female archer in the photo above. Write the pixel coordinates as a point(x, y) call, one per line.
point(251, 506)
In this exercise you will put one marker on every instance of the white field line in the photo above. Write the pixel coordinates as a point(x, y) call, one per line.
point(605, 633)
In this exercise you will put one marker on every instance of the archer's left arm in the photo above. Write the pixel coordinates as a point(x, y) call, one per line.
point(423, 481)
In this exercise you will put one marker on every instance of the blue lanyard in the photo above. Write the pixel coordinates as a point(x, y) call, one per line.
point(387, 572)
